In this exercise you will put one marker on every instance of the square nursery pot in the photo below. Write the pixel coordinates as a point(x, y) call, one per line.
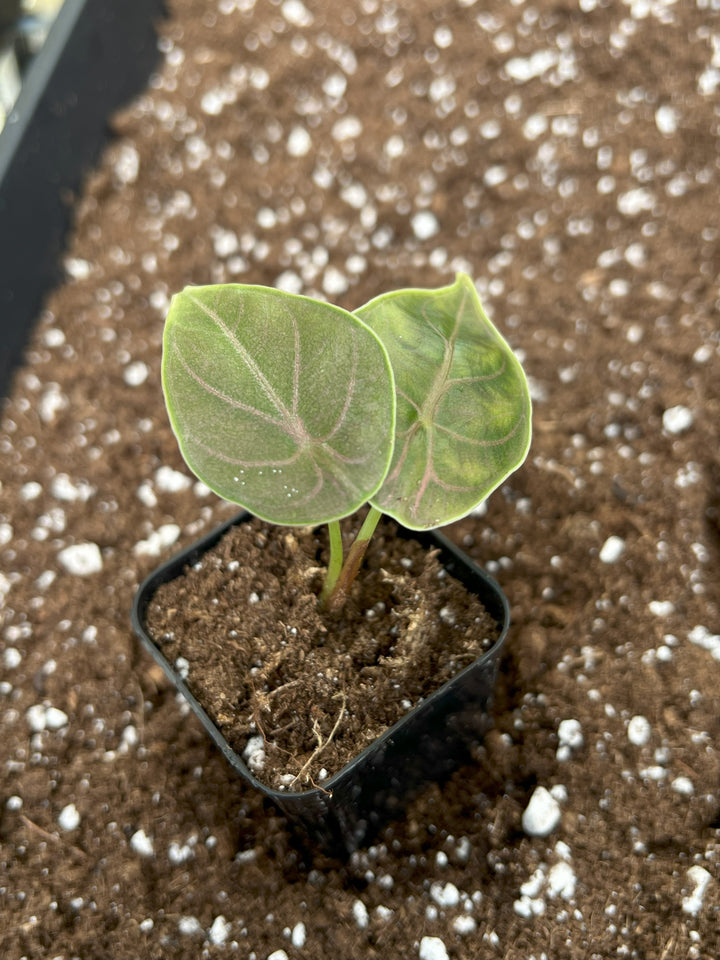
point(425, 745)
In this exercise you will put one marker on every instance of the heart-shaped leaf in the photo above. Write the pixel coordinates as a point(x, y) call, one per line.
point(280, 403)
point(463, 404)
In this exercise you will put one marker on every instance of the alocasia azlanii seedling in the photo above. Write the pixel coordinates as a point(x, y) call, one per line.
point(302, 412)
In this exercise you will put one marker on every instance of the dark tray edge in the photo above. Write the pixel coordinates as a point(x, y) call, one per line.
point(98, 55)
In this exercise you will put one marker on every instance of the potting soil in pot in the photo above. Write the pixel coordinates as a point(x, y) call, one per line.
point(297, 692)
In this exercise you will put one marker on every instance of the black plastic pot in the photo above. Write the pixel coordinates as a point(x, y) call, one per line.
point(425, 745)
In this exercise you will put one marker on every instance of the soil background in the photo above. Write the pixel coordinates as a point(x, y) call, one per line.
point(566, 155)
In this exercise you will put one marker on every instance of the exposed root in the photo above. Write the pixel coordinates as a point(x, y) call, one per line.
point(320, 741)
point(53, 837)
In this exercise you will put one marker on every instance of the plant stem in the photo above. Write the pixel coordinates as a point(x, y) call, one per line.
point(336, 561)
point(334, 594)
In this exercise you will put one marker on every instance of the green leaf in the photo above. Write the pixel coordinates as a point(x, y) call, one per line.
point(280, 403)
point(463, 404)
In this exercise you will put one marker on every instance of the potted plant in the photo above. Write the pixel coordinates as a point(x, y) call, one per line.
point(410, 410)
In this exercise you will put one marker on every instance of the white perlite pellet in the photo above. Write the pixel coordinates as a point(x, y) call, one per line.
point(277, 955)
point(653, 772)
point(12, 658)
point(54, 337)
point(527, 907)
point(289, 281)
point(570, 733)
point(146, 495)
point(443, 37)
point(162, 538)
point(683, 786)
point(447, 615)
point(677, 419)
point(159, 301)
point(81, 559)
point(219, 931)
point(141, 843)
point(559, 792)
point(171, 481)
point(65, 489)
point(182, 665)
point(661, 608)
point(40, 717)
point(522, 69)
point(51, 402)
point(635, 201)
point(334, 86)
point(5, 586)
point(178, 853)
point(298, 936)
point(462, 849)
point(542, 815)
point(701, 637)
point(299, 143)
point(535, 126)
point(213, 102)
point(612, 549)
point(666, 120)
point(334, 282)
point(77, 268)
point(135, 374)
point(424, 225)
point(638, 731)
point(561, 881)
point(69, 818)
point(446, 895)
point(46, 579)
point(127, 163)
point(562, 850)
point(189, 926)
point(464, 925)
point(360, 914)
point(533, 886)
point(254, 753)
point(432, 948)
point(225, 243)
point(700, 878)
point(347, 129)
point(355, 195)
point(30, 491)
point(394, 146)
point(35, 717)
point(296, 13)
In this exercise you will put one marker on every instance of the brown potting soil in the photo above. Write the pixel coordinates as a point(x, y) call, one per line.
point(243, 627)
point(565, 155)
